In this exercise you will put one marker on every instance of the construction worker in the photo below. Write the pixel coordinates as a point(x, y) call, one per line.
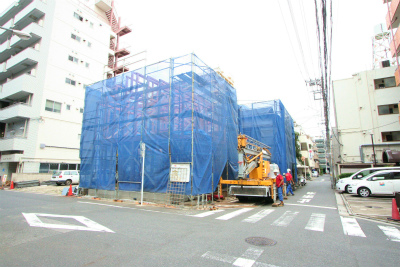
point(289, 181)
point(279, 186)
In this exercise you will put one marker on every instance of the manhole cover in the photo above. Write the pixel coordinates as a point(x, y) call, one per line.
point(373, 207)
point(260, 241)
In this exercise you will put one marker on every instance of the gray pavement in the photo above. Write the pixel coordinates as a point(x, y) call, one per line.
point(309, 231)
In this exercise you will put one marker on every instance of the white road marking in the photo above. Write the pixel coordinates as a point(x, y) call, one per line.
point(285, 219)
point(34, 221)
point(247, 259)
point(219, 257)
point(304, 200)
point(207, 213)
point(114, 206)
point(311, 193)
point(351, 227)
point(316, 222)
point(322, 180)
point(391, 232)
point(233, 214)
point(258, 216)
point(322, 207)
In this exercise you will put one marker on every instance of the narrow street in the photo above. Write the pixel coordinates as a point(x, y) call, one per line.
point(42, 230)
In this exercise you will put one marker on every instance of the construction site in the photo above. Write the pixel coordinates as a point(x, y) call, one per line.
point(173, 131)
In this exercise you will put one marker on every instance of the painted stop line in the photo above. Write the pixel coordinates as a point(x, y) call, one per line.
point(33, 220)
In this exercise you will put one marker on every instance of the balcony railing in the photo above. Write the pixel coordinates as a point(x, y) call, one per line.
point(14, 143)
point(19, 87)
point(32, 13)
point(15, 112)
point(23, 60)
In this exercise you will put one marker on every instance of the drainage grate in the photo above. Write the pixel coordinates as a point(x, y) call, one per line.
point(373, 207)
point(260, 241)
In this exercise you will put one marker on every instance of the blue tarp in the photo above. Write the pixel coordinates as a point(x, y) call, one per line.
point(180, 108)
point(270, 123)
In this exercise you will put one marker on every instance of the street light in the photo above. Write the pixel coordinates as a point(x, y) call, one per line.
point(20, 34)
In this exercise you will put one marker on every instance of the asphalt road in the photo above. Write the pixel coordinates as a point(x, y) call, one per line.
point(42, 230)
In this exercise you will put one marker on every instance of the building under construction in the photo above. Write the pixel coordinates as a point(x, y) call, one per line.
point(186, 116)
point(184, 113)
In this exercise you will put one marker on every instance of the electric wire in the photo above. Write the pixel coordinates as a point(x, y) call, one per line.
point(296, 31)
point(290, 41)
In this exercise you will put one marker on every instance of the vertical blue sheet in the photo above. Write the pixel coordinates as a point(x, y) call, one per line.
point(180, 108)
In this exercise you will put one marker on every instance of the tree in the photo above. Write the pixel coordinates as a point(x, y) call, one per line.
point(298, 149)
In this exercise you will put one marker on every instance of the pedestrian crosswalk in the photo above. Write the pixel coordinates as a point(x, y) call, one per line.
point(284, 218)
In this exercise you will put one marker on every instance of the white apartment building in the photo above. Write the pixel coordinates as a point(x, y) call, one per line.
point(309, 153)
point(366, 109)
point(42, 80)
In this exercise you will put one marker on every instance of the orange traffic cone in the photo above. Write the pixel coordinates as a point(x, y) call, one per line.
point(395, 211)
point(70, 191)
point(12, 185)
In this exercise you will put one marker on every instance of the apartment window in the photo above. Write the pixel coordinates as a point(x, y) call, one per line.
point(388, 109)
point(87, 65)
point(303, 146)
point(81, 110)
point(76, 15)
point(385, 83)
point(75, 37)
point(89, 44)
point(73, 59)
point(390, 136)
point(53, 106)
point(68, 107)
point(69, 81)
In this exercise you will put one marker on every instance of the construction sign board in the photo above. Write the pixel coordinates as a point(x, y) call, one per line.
point(180, 172)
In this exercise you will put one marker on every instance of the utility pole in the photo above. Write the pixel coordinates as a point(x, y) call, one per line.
point(322, 90)
point(373, 149)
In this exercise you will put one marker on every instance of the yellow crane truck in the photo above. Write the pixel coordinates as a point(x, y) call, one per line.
point(256, 178)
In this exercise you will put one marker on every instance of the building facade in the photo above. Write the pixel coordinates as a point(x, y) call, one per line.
point(42, 80)
point(367, 117)
point(309, 155)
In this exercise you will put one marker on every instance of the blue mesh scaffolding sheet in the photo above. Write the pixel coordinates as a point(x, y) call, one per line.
point(270, 123)
point(180, 108)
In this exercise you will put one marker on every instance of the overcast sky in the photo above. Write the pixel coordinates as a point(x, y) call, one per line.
point(255, 43)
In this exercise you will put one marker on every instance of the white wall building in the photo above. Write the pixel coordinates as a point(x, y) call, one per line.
point(42, 80)
point(366, 105)
point(308, 150)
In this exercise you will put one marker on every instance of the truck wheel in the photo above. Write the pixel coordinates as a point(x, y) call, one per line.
point(241, 198)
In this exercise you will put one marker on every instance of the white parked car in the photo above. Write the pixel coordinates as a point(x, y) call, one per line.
point(314, 174)
point(343, 184)
point(65, 177)
point(378, 183)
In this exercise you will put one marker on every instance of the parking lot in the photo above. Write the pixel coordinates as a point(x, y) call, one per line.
point(379, 207)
